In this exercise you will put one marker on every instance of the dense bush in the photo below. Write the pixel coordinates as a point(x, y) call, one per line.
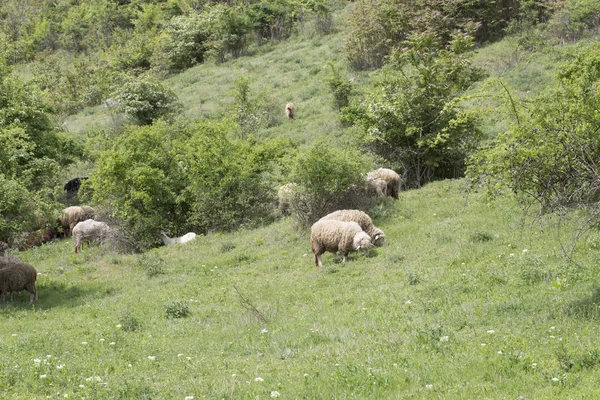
point(412, 119)
point(146, 100)
point(325, 175)
point(186, 178)
point(550, 155)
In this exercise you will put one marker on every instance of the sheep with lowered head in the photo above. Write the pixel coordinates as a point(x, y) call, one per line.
point(89, 230)
point(392, 179)
point(16, 276)
point(334, 236)
point(177, 240)
point(362, 219)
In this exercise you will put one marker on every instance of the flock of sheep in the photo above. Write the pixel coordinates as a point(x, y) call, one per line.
point(353, 230)
point(341, 231)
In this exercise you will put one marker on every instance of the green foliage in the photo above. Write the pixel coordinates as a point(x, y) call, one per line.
point(177, 309)
point(325, 175)
point(186, 178)
point(146, 100)
point(549, 155)
point(413, 118)
point(32, 153)
point(340, 87)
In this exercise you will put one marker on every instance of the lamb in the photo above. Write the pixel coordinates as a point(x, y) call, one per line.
point(362, 219)
point(333, 236)
point(179, 240)
point(392, 179)
point(71, 216)
point(16, 276)
point(290, 109)
point(89, 230)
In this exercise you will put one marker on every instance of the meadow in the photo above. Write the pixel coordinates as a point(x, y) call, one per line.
point(467, 299)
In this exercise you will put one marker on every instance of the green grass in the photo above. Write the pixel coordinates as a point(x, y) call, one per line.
point(463, 301)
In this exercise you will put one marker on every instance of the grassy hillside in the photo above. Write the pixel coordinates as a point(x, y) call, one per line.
point(463, 301)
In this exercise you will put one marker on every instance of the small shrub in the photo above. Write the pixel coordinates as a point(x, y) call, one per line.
point(128, 322)
point(177, 309)
point(227, 247)
point(152, 265)
point(481, 237)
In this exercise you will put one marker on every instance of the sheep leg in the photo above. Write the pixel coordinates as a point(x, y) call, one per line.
point(345, 257)
point(318, 262)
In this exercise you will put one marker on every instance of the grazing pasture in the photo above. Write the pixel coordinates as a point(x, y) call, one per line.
point(466, 299)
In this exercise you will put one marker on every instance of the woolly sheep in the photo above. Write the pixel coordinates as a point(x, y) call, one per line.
point(290, 109)
point(71, 216)
point(392, 179)
point(333, 236)
point(16, 276)
point(362, 219)
point(89, 230)
point(180, 240)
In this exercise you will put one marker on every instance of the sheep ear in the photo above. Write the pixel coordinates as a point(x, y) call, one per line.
point(358, 248)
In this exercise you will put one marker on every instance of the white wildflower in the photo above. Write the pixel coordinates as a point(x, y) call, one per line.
point(151, 358)
point(525, 250)
point(37, 361)
point(180, 355)
point(84, 343)
point(119, 326)
point(264, 330)
point(43, 376)
point(491, 331)
point(60, 366)
point(429, 387)
point(112, 343)
point(555, 379)
point(275, 393)
point(189, 397)
point(444, 338)
point(258, 379)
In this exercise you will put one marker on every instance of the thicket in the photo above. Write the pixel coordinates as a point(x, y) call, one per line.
point(32, 152)
point(550, 154)
point(187, 177)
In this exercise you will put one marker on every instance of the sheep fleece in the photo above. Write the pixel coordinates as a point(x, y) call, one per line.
point(332, 236)
point(17, 276)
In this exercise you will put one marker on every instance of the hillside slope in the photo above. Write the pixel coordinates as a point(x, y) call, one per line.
point(463, 301)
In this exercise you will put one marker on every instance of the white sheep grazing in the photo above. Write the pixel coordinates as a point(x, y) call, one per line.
point(392, 179)
point(89, 230)
point(180, 240)
point(362, 219)
point(333, 236)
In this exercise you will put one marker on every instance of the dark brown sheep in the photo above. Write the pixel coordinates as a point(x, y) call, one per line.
point(16, 276)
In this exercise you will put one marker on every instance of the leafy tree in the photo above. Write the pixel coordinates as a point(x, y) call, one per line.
point(551, 154)
point(413, 118)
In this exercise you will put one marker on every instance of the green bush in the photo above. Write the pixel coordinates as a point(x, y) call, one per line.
point(186, 178)
point(340, 87)
point(177, 309)
point(146, 100)
point(325, 175)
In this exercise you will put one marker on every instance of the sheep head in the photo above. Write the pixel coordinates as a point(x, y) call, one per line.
point(362, 242)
